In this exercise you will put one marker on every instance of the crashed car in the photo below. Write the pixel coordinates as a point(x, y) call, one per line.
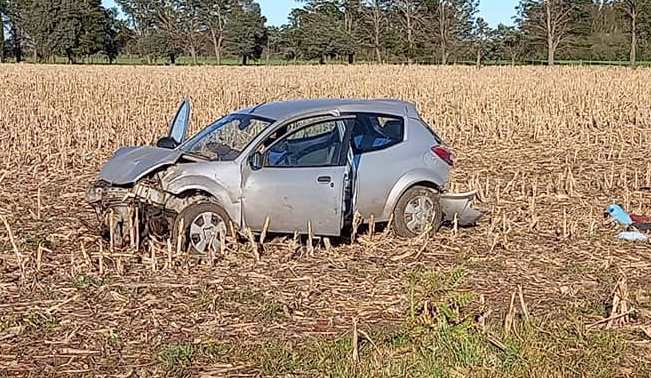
point(301, 166)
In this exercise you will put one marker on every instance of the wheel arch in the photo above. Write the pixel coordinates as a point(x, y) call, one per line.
point(408, 181)
point(192, 192)
point(199, 185)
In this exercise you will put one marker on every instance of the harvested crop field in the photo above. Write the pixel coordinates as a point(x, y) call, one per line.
point(547, 149)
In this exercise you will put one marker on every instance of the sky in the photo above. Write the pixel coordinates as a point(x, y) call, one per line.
point(276, 11)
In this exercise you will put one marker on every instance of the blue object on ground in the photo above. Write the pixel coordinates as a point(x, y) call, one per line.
point(633, 236)
point(620, 215)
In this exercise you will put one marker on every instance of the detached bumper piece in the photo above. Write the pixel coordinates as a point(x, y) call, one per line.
point(106, 196)
point(459, 205)
point(139, 210)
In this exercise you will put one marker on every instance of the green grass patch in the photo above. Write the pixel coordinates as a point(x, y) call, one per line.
point(40, 321)
point(84, 281)
point(439, 337)
point(177, 358)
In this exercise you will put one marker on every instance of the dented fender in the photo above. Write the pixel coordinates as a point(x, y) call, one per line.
point(219, 192)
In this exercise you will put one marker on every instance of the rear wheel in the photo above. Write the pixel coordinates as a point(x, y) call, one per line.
point(202, 224)
point(417, 211)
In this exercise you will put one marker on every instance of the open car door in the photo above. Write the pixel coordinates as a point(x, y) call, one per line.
point(179, 126)
point(300, 179)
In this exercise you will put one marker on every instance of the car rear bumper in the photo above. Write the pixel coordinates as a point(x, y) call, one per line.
point(459, 205)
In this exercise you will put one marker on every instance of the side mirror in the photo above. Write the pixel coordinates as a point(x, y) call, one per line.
point(255, 161)
point(167, 142)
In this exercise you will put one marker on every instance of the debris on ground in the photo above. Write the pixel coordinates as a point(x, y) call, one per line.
point(632, 236)
point(640, 219)
point(633, 222)
point(619, 215)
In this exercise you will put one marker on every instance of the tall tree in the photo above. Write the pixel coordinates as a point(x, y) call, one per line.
point(280, 42)
point(374, 20)
point(482, 35)
point(3, 11)
point(68, 26)
point(149, 39)
point(409, 13)
point(509, 41)
point(72, 28)
point(453, 23)
point(92, 36)
point(80, 28)
point(247, 34)
point(166, 27)
point(116, 34)
point(180, 20)
point(352, 14)
point(16, 14)
point(638, 13)
point(216, 15)
point(141, 14)
point(552, 21)
point(190, 28)
point(319, 30)
point(42, 21)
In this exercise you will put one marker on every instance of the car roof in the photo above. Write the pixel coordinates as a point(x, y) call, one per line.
point(281, 110)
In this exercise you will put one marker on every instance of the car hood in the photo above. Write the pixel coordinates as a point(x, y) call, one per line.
point(130, 164)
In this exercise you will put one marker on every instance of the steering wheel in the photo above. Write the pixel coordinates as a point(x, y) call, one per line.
point(219, 149)
point(285, 159)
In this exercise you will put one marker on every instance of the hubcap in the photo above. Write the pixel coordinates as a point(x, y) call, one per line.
point(419, 214)
point(204, 231)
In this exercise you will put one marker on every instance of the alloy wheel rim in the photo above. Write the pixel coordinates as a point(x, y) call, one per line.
point(419, 214)
point(205, 229)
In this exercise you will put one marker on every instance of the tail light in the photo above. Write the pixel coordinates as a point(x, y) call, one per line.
point(443, 153)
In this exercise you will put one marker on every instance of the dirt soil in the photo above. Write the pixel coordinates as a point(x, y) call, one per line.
point(68, 307)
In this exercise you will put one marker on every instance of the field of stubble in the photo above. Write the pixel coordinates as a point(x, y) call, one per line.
point(547, 149)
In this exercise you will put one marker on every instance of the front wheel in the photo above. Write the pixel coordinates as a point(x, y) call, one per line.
point(202, 223)
point(418, 211)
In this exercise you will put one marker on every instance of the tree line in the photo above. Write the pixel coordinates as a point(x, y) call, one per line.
point(385, 31)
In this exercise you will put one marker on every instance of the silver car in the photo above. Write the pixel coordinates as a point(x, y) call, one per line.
point(302, 166)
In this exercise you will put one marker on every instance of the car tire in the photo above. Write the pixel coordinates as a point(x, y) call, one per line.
point(418, 208)
point(201, 222)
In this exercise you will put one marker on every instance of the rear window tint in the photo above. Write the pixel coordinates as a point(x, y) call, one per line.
point(373, 132)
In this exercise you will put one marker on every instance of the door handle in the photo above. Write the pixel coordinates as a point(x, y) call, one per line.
point(324, 179)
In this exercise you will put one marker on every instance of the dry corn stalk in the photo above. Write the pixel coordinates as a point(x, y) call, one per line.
point(621, 309)
point(355, 342)
point(510, 315)
point(571, 150)
point(254, 245)
point(20, 257)
point(509, 320)
point(310, 239)
point(357, 221)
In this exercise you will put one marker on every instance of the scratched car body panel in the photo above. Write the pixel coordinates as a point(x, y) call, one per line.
point(305, 166)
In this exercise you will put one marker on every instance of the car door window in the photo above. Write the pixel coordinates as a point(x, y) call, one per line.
point(376, 132)
point(318, 145)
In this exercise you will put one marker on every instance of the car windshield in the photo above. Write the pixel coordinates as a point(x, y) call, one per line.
point(226, 138)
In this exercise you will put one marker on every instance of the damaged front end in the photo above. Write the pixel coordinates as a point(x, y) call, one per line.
point(129, 214)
